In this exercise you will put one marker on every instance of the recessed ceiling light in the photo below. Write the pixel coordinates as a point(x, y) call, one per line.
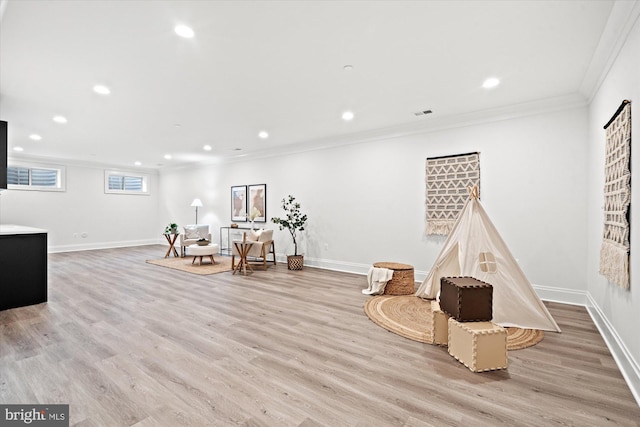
point(101, 89)
point(167, 156)
point(263, 134)
point(348, 67)
point(18, 149)
point(35, 137)
point(207, 148)
point(491, 83)
point(184, 31)
point(137, 163)
point(59, 119)
point(347, 116)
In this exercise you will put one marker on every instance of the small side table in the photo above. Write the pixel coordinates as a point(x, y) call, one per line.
point(171, 239)
point(243, 248)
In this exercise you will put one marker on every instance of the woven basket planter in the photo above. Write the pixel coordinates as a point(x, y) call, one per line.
point(295, 262)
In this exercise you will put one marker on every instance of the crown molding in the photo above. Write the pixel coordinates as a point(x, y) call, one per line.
point(430, 125)
point(622, 19)
point(80, 163)
point(433, 124)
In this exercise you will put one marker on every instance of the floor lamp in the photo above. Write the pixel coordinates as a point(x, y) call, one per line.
point(198, 204)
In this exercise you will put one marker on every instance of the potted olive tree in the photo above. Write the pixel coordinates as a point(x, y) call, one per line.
point(293, 222)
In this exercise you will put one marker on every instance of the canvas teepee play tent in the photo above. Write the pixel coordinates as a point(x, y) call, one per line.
point(474, 248)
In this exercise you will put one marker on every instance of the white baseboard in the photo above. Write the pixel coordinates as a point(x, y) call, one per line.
point(103, 245)
point(629, 367)
point(562, 295)
point(346, 267)
point(342, 266)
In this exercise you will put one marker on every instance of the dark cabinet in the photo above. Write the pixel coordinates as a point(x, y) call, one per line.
point(23, 269)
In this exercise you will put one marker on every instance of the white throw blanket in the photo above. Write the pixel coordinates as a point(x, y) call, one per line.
point(377, 278)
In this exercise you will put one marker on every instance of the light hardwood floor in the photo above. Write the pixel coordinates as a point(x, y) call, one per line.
point(128, 343)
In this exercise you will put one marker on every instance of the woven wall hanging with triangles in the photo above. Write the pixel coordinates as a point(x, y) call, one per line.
point(448, 179)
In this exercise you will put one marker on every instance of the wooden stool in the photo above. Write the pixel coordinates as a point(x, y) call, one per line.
point(402, 282)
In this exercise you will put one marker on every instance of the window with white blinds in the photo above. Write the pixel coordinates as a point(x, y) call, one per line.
point(17, 176)
point(43, 178)
point(118, 182)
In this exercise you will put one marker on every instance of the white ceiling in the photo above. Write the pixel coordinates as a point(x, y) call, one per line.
point(277, 66)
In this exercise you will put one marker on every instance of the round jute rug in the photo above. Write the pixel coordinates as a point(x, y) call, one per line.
point(410, 316)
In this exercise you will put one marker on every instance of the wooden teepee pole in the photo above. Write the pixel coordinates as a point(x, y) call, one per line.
point(474, 192)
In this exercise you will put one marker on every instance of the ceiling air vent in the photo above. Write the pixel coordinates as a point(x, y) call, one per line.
point(422, 113)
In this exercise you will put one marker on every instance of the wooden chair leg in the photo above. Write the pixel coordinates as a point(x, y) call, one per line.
point(233, 261)
point(273, 252)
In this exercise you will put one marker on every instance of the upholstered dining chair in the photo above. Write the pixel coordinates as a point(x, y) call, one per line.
point(193, 233)
point(262, 248)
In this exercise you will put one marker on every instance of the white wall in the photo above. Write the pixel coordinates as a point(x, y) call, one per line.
point(365, 201)
point(620, 308)
point(180, 187)
point(109, 220)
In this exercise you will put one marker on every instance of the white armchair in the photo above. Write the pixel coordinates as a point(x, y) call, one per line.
point(262, 247)
point(191, 235)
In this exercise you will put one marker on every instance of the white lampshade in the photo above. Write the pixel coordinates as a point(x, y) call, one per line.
point(196, 203)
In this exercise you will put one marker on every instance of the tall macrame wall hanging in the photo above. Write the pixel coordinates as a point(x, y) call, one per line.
point(448, 179)
point(615, 249)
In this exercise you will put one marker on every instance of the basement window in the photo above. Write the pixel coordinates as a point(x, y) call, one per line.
point(32, 177)
point(118, 182)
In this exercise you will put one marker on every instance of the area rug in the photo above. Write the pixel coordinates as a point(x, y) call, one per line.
point(184, 264)
point(410, 316)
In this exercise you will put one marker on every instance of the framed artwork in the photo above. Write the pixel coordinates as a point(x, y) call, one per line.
point(239, 203)
point(258, 202)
